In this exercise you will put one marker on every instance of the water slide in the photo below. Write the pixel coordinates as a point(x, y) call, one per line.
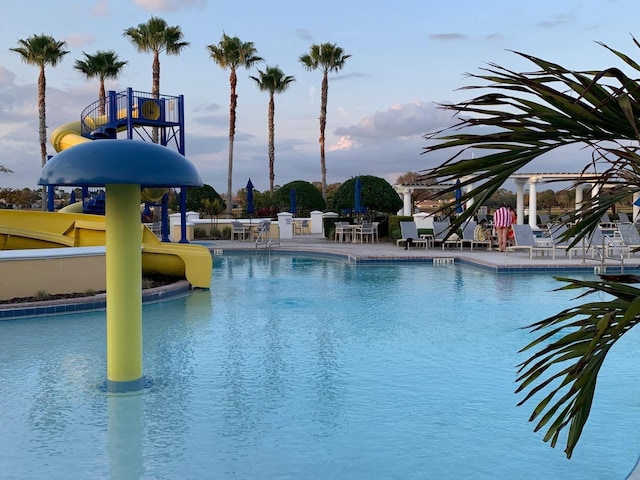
point(37, 229)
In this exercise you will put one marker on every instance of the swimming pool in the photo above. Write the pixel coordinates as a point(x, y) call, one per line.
point(305, 367)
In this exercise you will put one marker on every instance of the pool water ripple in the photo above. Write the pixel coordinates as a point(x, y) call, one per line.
point(294, 367)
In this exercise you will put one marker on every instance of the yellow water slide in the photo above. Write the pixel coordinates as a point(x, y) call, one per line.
point(37, 229)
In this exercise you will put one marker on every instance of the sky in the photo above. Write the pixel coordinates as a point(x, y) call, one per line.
point(407, 58)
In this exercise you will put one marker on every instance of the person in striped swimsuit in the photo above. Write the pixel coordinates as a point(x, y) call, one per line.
point(502, 219)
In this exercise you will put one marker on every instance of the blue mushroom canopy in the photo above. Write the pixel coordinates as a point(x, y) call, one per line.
point(101, 162)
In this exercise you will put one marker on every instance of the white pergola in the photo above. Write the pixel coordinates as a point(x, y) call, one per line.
point(580, 181)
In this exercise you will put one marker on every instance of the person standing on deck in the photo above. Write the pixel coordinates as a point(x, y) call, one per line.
point(502, 219)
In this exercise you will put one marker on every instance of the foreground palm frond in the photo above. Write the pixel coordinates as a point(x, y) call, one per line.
point(571, 351)
point(527, 115)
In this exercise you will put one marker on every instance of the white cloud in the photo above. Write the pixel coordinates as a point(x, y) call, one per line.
point(170, 5)
point(400, 120)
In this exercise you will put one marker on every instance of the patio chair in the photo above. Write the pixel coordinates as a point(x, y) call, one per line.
point(238, 230)
point(410, 236)
point(468, 237)
point(342, 232)
point(301, 227)
point(365, 232)
point(524, 240)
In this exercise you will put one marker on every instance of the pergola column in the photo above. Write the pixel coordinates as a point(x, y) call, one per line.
point(533, 203)
point(519, 200)
point(407, 204)
point(580, 195)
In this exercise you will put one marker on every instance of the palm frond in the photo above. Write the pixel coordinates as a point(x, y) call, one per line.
point(571, 348)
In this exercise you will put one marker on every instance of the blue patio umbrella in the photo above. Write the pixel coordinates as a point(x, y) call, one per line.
point(249, 197)
point(358, 207)
point(292, 201)
point(458, 194)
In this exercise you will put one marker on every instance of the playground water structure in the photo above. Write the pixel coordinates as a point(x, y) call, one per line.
point(128, 112)
point(397, 370)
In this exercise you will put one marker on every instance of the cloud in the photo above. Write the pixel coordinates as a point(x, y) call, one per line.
point(170, 5)
point(558, 20)
point(448, 36)
point(80, 40)
point(304, 34)
point(400, 120)
point(100, 9)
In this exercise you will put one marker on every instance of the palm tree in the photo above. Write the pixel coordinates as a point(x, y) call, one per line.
point(103, 65)
point(329, 58)
point(272, 80)
point(156, 37)
point(232, 53)
point(526, 115)
point(41, 50)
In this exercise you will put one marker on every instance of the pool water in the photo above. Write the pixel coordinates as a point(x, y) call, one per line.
point(309, 368)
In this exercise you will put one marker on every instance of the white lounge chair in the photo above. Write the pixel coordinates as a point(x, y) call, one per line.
point(630, 237)
point(410, 236)
point(524, 240)
point(557, 234)
point(468, 237)
point(440, 232)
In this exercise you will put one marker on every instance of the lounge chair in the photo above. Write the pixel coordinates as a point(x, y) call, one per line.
point(544, 220)
point(557, 234)
point(468, 237)
point(440, 232)
point(524, 240)
point(630, 238)
point(410, 236)
point(623, 219)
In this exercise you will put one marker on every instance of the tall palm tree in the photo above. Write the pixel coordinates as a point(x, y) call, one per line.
point(40, 51)
point(526, 115)
point(232, 53)
point(156, 37)
point(272, 80)
point(327, 57)
point(103, 65)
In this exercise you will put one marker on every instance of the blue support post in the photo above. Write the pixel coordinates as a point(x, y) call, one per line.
point(165, 217)
point(183, 215)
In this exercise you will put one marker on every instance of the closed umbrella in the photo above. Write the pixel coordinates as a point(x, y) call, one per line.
point(358, 207)
point(458, 197)
point(292, 201)
point(249, 198)
point(73, 196)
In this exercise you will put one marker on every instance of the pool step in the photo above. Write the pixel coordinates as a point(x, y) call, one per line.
point(443, 261)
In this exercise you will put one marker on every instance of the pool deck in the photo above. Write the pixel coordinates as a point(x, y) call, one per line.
point(388, 251)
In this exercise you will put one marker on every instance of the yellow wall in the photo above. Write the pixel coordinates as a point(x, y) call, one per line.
point(26, 276)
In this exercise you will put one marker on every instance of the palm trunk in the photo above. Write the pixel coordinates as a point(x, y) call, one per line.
point(233, 101)
point(155, 89)
point(323, 125)
point(42, 127)
point(272, 150)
